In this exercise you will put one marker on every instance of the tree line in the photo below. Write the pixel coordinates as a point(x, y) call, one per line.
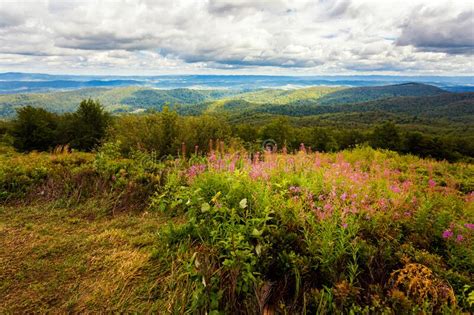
point(168, 133)
point(41, 130)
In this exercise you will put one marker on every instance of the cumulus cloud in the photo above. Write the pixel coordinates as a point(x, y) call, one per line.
point(241, 7)
point(8, 19)
point(436, 30)
point(265, 36)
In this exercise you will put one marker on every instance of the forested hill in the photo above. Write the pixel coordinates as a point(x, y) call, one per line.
point(450, 106)
point(370, 93)
point(131, 99)
point(123, 99)
point(410, 99)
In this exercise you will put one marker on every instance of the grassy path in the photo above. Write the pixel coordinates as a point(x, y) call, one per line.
point(57, 260)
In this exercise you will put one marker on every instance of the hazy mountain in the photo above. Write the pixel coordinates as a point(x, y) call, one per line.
point(14, 82)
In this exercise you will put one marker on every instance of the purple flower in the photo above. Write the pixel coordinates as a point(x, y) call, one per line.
point(195, 170)
point(431, 183)
point(328, 207)
point(448, 234)
point(469, 226)
point(459, 238)
point(395, 189)
point(343, 196)
point(344, 225)
point(295, 189)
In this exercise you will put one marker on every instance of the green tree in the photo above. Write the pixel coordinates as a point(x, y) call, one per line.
point(88, 125)
point(197, 131)
point(386, 136)
point(169, 130)
point(246, 132)
point(322, 140)
point(349, 138)
point(278, 129)
point(34, 129)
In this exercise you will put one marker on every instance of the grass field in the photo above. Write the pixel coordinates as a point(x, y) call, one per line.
point(63, 259)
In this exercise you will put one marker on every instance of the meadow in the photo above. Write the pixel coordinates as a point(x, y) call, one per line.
point(357, 231)
point(237, 157)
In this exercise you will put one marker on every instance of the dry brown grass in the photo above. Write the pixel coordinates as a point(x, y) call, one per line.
point(418, 284)
point(61, 260)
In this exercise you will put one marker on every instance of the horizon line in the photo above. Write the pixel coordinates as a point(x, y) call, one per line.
point(250, 75)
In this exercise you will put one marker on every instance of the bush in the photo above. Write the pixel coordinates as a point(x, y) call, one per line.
point(317, 233)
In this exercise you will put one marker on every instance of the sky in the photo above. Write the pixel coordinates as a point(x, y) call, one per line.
point(290, 37)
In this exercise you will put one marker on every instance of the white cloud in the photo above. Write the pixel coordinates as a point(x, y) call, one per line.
point(266, 36)
point(433, 30)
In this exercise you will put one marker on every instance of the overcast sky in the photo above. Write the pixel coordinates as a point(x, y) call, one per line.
point(238, 37)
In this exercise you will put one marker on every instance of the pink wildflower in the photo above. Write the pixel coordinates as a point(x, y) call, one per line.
point(459, 238)
point(431, 183)
point(295, 189)
point(258, 171)
point(469, 226)
point(195, 170)
point(212, 157)
point(344, 225)
point(232, 164)
point(328, 207)
point(395, 189)
point(302, 148)
point(406, 185)
point(317, 162)
point(448, 234)
point(343, 196)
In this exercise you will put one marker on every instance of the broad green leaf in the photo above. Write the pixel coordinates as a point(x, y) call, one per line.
point(205, 207)
point(243, 203)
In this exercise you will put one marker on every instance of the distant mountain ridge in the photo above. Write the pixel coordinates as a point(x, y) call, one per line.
point(364, 94)
point(13, 87)
point(16, 82)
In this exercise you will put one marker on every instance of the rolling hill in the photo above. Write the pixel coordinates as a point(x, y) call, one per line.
point(129, 99)
point(450, 106)
point(370, 93)
point(123, 99)
point(284, 96)
point(400, 100)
